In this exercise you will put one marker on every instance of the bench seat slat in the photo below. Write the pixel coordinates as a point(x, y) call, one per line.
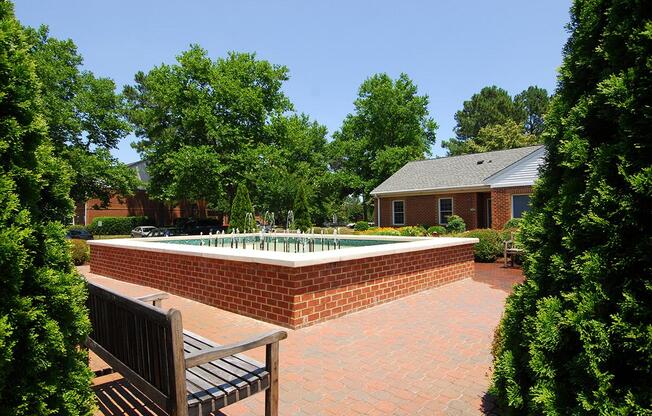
point(242, 368)
point(219, 383)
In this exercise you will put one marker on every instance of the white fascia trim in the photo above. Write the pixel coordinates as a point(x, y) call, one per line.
point(512, 184)
point(448, 189)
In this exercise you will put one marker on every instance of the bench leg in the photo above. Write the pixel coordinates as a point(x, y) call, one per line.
point(271, 394)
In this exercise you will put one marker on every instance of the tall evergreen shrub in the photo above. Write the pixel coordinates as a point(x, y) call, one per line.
point(576, 338)
point(42, 315)
point(301, 209)
point(240, 208)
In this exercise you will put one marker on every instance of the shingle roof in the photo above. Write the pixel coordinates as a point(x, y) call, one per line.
point(452, 172)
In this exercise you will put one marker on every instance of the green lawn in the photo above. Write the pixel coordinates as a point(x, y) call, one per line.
point(106, 237)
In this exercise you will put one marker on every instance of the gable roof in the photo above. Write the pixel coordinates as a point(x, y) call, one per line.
point(465, 171)
point(141, 170)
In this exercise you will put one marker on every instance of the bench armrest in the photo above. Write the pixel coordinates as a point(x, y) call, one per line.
point(204, 356)
point(155, 298)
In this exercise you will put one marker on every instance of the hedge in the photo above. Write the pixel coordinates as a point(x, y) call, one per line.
point(117, 225)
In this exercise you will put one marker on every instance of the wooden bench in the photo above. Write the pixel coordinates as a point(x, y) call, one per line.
point(183, 373)
point(510, 251)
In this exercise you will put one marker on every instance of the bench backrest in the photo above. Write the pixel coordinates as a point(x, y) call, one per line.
point(141, 342)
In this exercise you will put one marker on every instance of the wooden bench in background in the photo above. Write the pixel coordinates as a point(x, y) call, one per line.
point(183, 373)
point(511, 251)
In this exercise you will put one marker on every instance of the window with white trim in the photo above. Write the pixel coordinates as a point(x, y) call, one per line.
point(520, 205)
point(398, 212)
point(445, 209)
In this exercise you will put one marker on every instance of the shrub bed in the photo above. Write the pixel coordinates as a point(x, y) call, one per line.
point(455, 224)
point(116, 225)
point(417, 231)
point(79, 251)
point(361, 226)
point(380, 231)
point(490, 246)
point(437, 229)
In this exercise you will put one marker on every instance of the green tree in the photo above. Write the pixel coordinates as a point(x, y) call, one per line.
point(492, 105)
point(296, 155)
point(99, 175)
point(487, 119)
point(301, 209)
point(534, 103)
point(196, 175)
point(225, 105)
point(240, 209)
point(389, 127)
point(499, 137)
point(575, 338)
point(42, 315)
point(85, 119)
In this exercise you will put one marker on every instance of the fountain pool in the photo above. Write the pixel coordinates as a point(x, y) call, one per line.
point(284, 278)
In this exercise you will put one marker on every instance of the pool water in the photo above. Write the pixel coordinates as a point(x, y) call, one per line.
point(279, 243)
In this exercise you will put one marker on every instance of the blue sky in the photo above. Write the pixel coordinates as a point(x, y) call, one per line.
point(451, 49)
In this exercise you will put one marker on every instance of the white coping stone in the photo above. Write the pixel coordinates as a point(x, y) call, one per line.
point(403, 245)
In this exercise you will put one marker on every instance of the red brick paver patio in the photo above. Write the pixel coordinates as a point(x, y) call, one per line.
point(426, 354)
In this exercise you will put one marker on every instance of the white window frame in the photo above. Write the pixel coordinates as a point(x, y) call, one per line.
point(512, 205)
point(439, 209)
point(393, 213)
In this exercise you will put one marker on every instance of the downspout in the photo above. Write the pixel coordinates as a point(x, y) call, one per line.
point(378, 210)
point(85, 203)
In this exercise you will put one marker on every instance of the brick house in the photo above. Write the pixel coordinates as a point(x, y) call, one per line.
point(139, 204)
point(485, 189)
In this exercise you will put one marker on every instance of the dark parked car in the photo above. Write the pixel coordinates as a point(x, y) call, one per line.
point(79, 235)
point(164, 232)
point(202, 226)
point(142, 231)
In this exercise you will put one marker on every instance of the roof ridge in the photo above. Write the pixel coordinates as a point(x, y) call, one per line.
point(475, 154)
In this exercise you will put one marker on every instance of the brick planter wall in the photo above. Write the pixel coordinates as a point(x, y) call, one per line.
point(287, 296)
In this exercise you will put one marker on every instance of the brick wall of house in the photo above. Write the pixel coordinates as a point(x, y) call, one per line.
point(291, 297)
point(501, 204)
point(136, 205)
point(424, 209)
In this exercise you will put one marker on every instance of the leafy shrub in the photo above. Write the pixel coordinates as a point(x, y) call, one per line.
point(380, 231)
point(513, 223)
point(417, 231)
point(78, 227)
point(437, 229)
point(361, 226)
point(455, 224)
point(490, 246)
point(116, 225)
point(43, 318)
point(79, 251)
point(575, 337)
